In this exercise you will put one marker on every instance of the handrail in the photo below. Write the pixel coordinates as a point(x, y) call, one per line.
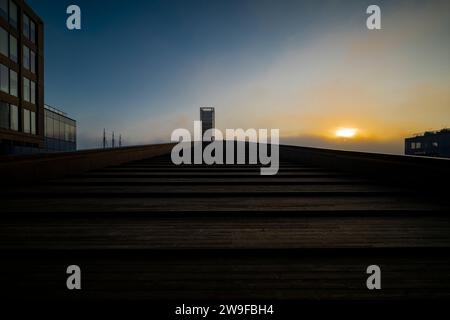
point(19, 169)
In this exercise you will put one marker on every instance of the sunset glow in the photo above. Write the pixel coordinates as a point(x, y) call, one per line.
point(346, 132)
point(311, 69)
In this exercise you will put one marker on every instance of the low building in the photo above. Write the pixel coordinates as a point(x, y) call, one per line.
point(429, 144)
point(60, 131)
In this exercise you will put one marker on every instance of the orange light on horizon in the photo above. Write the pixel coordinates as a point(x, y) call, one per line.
point(346, 132)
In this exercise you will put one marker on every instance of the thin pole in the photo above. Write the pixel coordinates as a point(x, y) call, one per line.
point(113, 142)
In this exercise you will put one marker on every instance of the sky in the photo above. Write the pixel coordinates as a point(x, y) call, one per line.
point(144, 68)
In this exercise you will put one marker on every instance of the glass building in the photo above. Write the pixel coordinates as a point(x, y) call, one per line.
point(60, 131)
point(21, 78)
point(429, 144)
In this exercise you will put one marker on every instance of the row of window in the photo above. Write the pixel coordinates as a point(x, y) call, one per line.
point(8, 11)
point(56, 127)
point(59, 127)
point(56, 145)
point(8, 45)
point(9, 116)
point(9, 84)
point(418, 145)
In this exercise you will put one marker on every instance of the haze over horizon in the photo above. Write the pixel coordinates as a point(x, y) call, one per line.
point(144, 68)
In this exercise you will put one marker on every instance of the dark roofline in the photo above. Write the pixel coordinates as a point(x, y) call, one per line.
point(57, 111)
point(430, 133)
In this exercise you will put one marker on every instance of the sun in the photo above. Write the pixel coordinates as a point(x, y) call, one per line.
point(346, 132)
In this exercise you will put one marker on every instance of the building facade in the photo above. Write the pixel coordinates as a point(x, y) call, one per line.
point(60, 131)
point(207, 117)
point(21, 78)
point(429, 144)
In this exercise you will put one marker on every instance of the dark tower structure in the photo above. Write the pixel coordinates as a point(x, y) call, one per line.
point(207, 117)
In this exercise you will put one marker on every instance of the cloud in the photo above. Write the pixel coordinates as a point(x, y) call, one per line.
point(388, 84)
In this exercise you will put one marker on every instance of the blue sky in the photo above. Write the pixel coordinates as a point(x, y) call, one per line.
point(143, 68)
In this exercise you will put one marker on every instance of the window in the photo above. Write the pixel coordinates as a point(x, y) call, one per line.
point(9, 116)
point(61, 129)
point(26, 121)
point(32, 61)
point(48, 125)
point(74, 134)
point(32, 31)
point(13, 84)
point(418, 145)
point(4, 78)
point(50, 132)
point(13, 117)
point(13, 48)
point(67, 132)
point(435, 144)
point(13, 14)
point(33, 92)
point(4, 9)
point(26, 26)
point(55, 129)
point(70, 135)
point(26, 57)
point(45, 124)
point(26, 90)
point(33, 122)
point(4, 115)
point(3, 42)
point(29, 28)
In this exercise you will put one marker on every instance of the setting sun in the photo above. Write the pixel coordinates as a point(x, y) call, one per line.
point(346, 132)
